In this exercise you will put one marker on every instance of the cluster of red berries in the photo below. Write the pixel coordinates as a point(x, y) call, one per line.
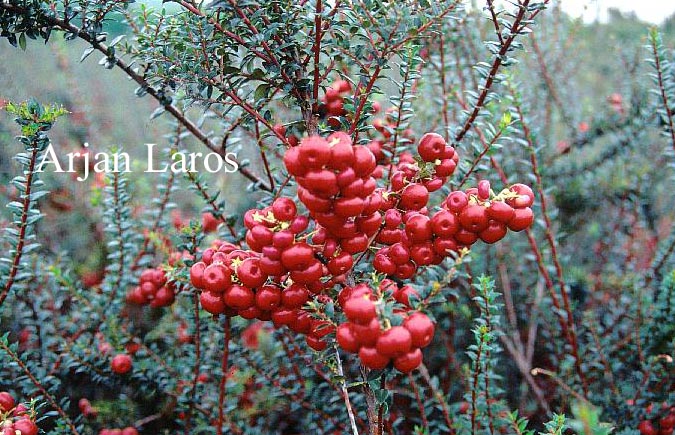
point(294, 258)
point(121, 364)
point(239, 282)
point(336, 184)
point(376, 346)
point(153, 289)
point(86, 409)
point(332, 103)
point(661, 424)
point(15, 419)
point(126, 431)
point(414, 239)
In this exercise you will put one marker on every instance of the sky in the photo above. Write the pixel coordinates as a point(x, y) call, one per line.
point(652, 11)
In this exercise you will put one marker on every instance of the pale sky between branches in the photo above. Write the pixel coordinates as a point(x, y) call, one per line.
point(652, 11)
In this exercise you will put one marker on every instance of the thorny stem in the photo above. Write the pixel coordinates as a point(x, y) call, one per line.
point(23, 226)
point(345, 393)
point(193, 391)
point(438, 396)
point(418, 399)
point(380, 412)
point(496, 64)
point(223, 379)
point(662, 91)
point(120, 234)
point(474, 390)
point(317, 54)
point(363, 99)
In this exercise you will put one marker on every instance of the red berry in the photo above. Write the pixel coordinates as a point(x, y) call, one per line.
point(298, 256)
point(302, 322)
point(431, 147)
point(522, 219)
point(668, 422)
point(197, 274)
point(279, 129)
point(340, 264)
point(323, 183)
point(384, 264)
point(284, 209)
point(457, 201)
point(239, 297)
point(25, 426)
point(646, 428)
point(299, 224)
point(403, 294)
point(295, 296)
point(346, 338)
point(217, 277)
point(465, 237)
point(421, 329)
point(500, 211)
point(250, 274)
point(406, 270)
point(314, 152)
point(268, 297)
point(399, 253)
point(422, 253)
point(209, 222)
point(369, 333)
point(360, 310)
point(292, 162)
point(121, 364)
point(444, 247)
point(525, 198)
point(393, 342)
point(83, 403)
point(341, 151)
point(212, 302)
point(312, 273)
point(372, 359)
point(484, 190)
point(474, 218)
point(364, 161)
point(494, 232)
point(414, 197)
point(164, 297)
point(271, 267)
point(20, 410)
point(409, 361)
point(283, 317)
point(355, 244)
point(6, 402)
point(418, 228)
point(444, 224)
point(392, 218)
point(445, 168)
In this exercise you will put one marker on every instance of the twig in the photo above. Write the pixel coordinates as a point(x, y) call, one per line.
point(345, 393)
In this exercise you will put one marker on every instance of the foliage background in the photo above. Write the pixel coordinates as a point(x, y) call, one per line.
point(610, 187)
